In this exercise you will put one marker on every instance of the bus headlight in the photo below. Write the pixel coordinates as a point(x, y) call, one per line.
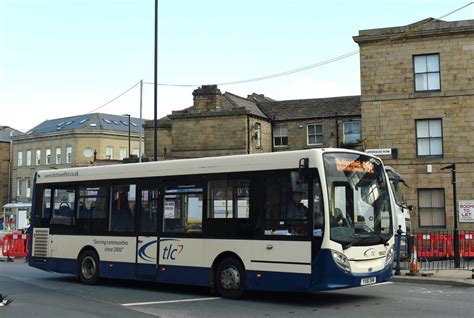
point(341, 260)
point(390, 255)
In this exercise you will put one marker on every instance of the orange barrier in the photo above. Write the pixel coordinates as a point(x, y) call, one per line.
point(441, 245)
point(466, 244)
point(15, 245)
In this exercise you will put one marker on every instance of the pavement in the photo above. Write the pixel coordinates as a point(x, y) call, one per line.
point(453, 277)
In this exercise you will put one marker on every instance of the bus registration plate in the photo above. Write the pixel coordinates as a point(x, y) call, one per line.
point(368, 281)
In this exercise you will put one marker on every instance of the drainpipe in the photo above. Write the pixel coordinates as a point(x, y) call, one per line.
point(248, 134)
point(337, 131)
point(272, 122)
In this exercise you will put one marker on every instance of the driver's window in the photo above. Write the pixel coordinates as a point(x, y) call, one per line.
point(342, 213)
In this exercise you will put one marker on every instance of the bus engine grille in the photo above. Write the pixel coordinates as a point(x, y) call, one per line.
point(40, 242)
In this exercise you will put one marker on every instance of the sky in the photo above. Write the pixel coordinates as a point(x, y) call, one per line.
point(61, 58)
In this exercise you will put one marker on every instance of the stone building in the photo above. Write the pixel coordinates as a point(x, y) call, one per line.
point(216, 125)
point(6, 134)
point(418, 98)
point(315, 123)
point(70, 142)
point(225, 124)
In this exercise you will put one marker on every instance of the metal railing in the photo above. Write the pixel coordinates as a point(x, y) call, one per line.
point(435, 250)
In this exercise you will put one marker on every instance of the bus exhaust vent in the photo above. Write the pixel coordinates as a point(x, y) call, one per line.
point(40, 242)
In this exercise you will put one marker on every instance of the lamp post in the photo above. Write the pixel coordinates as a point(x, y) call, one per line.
point(128, 115)
point(155, 89)
point(457, 258)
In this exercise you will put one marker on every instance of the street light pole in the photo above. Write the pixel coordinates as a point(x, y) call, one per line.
point(129, 149)
point(155, 89)
point(457, 258)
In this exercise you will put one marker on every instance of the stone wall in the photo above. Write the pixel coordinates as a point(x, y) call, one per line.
point(203, 136)
point(390, 107)
point(4, 171)
point(298, 133)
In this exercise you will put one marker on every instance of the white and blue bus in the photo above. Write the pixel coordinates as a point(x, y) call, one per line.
point(306, 220)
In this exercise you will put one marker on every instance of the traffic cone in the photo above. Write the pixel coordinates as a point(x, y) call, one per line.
point(414, 265)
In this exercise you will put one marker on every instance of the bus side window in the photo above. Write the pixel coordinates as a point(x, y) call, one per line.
point(63, 209)
point(182, 210)
point(46, 211)
point(229, 199)
point(122, 217)
point(149, 210)
point(92, 210)
point(286, 204)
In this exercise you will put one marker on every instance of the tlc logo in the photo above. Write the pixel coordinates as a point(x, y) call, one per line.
point(170, 252)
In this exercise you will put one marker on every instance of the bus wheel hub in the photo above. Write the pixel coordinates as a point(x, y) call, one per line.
point(230, 278)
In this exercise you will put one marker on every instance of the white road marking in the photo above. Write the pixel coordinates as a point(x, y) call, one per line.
point(170, 301)
point(378, 284)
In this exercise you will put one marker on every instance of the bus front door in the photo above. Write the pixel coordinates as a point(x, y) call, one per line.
point(147, 237)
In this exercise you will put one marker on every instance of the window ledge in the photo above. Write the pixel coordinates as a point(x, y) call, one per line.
point(428, 157)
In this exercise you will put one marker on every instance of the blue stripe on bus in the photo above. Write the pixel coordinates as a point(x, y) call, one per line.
point(326, 275)
point(278, 281)
point(185, 275)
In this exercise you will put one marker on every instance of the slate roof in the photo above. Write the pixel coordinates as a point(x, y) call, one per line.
point(237, 101)
point(97, 121)
point(6, 133)
point(312, 108)
point(229, 103)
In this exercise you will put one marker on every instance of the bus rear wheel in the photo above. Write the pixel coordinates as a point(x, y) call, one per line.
point(230, 278)
point(88, 267)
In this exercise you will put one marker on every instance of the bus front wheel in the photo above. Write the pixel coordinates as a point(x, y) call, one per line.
point(230, 278)
point(88, 267)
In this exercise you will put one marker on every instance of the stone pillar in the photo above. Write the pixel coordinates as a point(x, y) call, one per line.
point(207, 98)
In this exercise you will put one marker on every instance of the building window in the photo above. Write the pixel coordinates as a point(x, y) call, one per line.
point(109, 153)
point(20, 158)
point(280, 136)
point(352, 132)
point(38, 157)
point(427, 75)
point(315, 134)
point(48, 156)
point(19, 187)
point(123, 153)
point(58, 156)
point(429, 137)
point(28, 158)
point(28, 187)
point(258, 135)
point(431, 208)
point(68, 154)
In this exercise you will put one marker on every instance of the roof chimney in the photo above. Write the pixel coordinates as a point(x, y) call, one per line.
point(207, 98)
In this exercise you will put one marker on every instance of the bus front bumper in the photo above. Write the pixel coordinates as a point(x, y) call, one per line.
point(328, 275)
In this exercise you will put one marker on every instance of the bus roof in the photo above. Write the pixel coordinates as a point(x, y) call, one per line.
point(207, 165)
